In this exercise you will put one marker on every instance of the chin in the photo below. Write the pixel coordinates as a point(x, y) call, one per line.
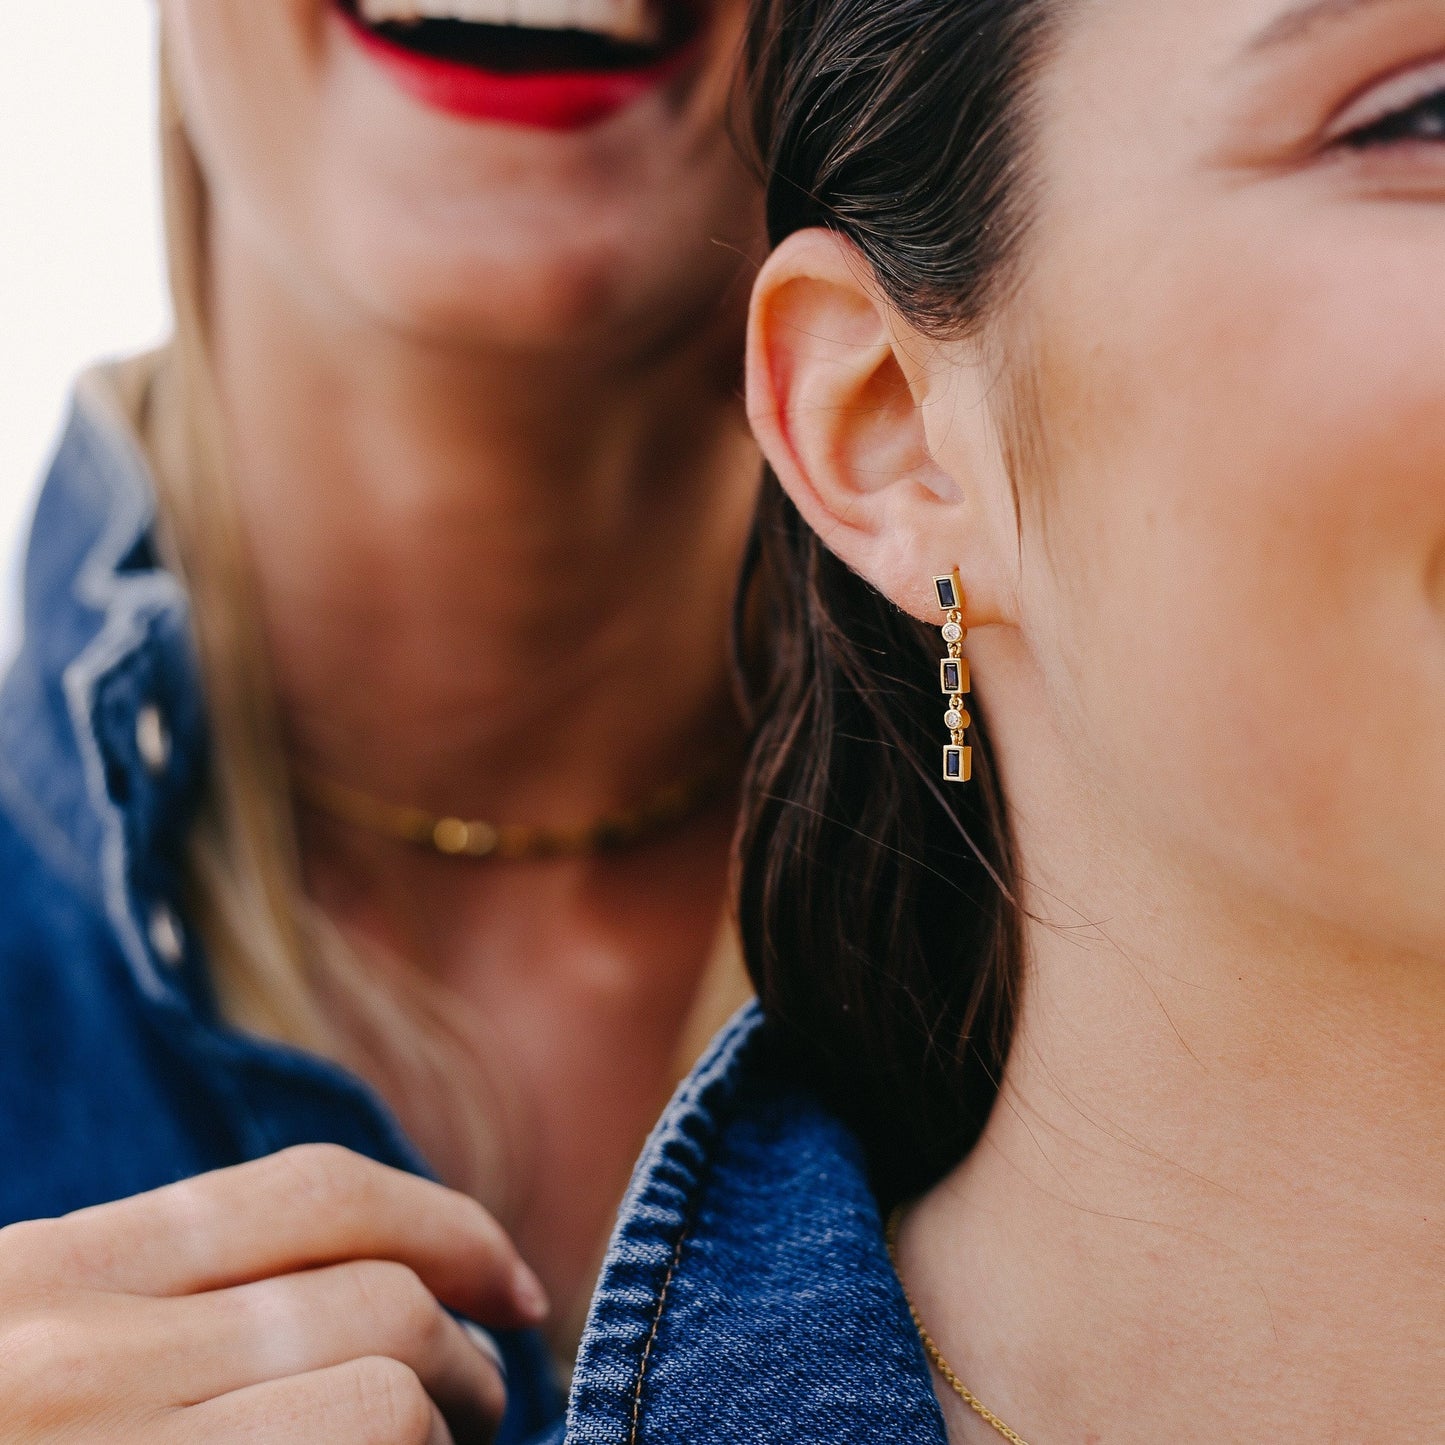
point(531, 173)
point(550, 272)
point(534, 175)
point(532, 306)
point(594, 306)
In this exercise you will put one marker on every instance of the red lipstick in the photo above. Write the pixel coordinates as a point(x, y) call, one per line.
point(546, 100)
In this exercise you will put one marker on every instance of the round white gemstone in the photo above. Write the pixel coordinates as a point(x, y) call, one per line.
point(953, 633)
point(953, 720)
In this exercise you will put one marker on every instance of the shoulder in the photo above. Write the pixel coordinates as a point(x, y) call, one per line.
point(748, 1294)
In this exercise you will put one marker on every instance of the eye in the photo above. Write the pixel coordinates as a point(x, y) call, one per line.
point(1424, 121)
point(1408, 108)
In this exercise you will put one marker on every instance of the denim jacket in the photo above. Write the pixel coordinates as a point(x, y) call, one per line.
point(116, 1075)
point(748, 1297)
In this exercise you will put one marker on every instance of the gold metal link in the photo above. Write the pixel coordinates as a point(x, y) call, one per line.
point(463, 838)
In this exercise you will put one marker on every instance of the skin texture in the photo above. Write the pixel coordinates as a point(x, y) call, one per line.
point(485, 426)
point(1210, 642)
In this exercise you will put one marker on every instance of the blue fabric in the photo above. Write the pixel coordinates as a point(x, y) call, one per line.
point(115, 1074)
point(748, 1296)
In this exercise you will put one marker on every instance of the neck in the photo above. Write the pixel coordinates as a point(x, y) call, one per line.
point(1209, 1204)
point(491, 584)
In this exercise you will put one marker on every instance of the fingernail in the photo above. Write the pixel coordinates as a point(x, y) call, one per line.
point(531, 1298)
point(486, 1344)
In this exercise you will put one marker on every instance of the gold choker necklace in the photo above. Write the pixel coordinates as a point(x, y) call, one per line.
point(517, 843)
point(935, 1355)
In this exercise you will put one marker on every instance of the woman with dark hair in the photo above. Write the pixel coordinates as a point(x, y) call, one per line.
point(1099, 1093)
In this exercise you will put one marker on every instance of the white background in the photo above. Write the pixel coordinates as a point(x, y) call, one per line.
point(81, 267)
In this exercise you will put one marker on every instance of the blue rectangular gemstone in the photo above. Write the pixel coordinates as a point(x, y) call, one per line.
point(947, 593)
point(957, 765)
point(952, 676)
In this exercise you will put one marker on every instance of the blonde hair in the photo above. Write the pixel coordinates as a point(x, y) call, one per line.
point(244, 860)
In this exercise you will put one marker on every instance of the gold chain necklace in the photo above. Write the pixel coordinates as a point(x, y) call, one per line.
point(934, 1354)
point(516, 843)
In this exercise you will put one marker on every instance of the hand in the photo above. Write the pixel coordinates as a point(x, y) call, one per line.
point(296, 1299)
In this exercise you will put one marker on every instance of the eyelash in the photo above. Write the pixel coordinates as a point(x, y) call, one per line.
point(1423, 121)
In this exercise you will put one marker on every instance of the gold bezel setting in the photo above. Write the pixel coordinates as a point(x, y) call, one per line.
point(957, 764)
point(953, 676)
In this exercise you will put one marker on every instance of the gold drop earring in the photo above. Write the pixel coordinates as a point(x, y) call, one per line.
point(953, 673)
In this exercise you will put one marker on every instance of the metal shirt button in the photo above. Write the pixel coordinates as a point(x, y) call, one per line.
point(153, 739)
point(166, 936)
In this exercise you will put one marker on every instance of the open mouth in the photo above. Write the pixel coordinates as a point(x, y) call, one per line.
point(553, 63)
point(516, 36)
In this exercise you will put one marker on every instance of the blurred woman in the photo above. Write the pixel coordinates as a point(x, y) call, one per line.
point(1100, 356)
point(366, 774)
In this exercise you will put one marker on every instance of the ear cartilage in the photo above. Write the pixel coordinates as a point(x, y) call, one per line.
point(953, 672)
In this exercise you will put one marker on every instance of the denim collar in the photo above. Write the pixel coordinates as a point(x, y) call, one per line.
point(102, 730)
point(103, 758)
point(748, 1294)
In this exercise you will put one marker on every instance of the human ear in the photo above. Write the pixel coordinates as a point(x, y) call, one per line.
point(839, 392)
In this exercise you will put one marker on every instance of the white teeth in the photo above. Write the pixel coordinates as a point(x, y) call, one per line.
point(633, 22)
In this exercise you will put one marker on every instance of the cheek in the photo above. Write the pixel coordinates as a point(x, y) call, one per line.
point(248, 77)
point(1245, 532)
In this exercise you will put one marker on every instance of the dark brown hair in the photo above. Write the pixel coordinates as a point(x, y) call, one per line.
point(877, 901)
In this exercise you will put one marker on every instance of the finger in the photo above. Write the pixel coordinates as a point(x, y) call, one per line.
point(301, 1209)
point(299, 1324)
point(363, 1402)
point(488, 1344)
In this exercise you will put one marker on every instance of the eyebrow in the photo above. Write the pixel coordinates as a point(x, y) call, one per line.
point(1304, 19)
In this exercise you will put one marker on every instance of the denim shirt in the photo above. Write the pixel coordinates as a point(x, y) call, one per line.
point(748, 1296)
point(116, 1075)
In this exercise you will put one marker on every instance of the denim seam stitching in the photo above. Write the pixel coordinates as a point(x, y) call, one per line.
point(634, 1434)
